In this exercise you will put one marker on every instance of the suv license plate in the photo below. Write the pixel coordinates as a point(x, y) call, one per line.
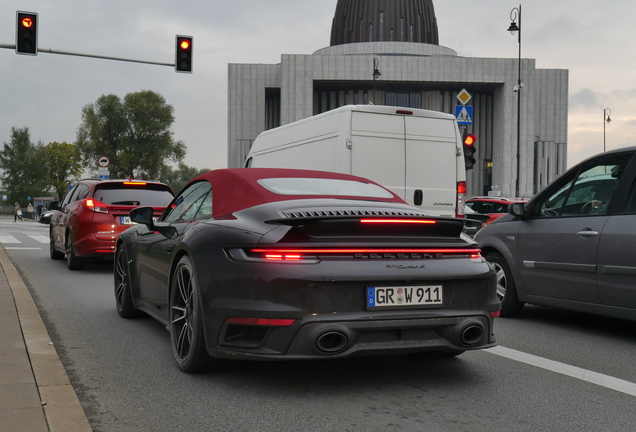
point(425, 295)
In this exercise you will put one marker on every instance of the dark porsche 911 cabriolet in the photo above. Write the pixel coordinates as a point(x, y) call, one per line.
point(280, 264)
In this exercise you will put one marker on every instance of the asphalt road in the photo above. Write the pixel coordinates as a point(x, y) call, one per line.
point(553, 371)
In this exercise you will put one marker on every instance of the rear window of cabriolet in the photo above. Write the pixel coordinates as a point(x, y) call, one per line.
point(321, 186)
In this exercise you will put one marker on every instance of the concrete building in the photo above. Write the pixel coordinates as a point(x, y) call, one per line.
point(397, 39)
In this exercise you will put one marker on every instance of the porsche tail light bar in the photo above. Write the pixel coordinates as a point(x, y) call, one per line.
point(261, 322)
point(398, 221)
point(314, 255)
point(339, 251)
point(95, 205)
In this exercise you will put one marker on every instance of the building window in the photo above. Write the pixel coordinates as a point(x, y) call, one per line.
point(408, 100)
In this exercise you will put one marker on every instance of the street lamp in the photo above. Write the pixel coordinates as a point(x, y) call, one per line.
point(606, 119)
point(515, 28)
point(376, 74)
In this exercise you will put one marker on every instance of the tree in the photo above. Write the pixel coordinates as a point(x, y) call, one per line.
point(65, 165)
point(135, 133)
point(24, 173)
point(178, 178)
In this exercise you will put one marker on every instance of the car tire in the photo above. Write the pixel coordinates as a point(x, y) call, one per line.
point(185, 322)
point(55, 254)
point(506, 288)
point(123, 293)
point(72, 262)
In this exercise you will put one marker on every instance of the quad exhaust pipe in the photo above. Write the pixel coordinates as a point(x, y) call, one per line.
point(331, 341)
point(471, 334)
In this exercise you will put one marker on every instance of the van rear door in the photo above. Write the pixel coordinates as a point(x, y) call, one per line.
point(378, 149)
point(431, 164)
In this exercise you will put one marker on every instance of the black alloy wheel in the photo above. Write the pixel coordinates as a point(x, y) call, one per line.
point(123, 293)
point(55, 254)
point(506, 289)
point(72, 262)
point(186, 326)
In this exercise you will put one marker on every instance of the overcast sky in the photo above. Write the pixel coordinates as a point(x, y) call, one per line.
point(593, 39)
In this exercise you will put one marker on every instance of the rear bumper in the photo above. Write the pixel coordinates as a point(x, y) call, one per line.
point(316, 337)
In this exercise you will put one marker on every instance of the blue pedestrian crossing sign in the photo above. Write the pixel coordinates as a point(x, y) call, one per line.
point(103, 177)
point(464, 114)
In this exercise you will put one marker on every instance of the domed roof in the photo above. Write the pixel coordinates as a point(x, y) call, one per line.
point(384, 21)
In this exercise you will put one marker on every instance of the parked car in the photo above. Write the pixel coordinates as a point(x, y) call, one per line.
point(474, 221)
point(94, 212)
point(274, 264)
point(494, 207)
point(573, 245)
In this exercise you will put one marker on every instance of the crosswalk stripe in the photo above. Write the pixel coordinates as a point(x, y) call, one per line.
point(9, 239)
point(40, 238)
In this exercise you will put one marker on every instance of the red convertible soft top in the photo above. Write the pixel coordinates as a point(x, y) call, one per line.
point(238, 188)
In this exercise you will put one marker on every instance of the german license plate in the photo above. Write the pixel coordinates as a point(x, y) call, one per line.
point(424, 295)
point(125, 220)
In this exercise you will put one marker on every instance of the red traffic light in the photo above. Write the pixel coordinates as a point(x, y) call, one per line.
point(469, 151)
point(26, 35)
point(470, 140)
point(183, 55)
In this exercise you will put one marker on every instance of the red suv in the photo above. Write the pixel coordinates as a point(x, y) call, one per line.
point(94, 212)
point(494, 207)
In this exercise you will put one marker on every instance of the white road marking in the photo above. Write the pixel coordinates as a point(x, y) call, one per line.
point(40, 238)
point(22, 248)
point(565, 369)
point(9, 239)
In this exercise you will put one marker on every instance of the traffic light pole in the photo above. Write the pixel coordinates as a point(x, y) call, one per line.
point(51, 51)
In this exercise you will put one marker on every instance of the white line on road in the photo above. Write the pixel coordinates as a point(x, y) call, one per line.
point(40, 238)
point(23, 248)
point(565, 369)
point(9, 239)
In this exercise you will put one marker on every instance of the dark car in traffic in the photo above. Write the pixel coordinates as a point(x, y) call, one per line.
point(573, 245)
point(273, 264)
point(45, 217)
point(494, 207)
point(93, 213)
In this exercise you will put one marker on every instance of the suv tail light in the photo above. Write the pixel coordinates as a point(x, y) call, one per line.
point(95, 205)
point(461, 199)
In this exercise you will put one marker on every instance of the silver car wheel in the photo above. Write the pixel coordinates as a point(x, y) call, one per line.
point(501, 281)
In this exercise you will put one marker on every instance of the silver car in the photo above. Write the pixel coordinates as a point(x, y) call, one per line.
point(573, 245)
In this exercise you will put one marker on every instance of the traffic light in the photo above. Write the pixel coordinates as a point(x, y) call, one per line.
point(183, 60)
point(26, 34)
point(469, 151)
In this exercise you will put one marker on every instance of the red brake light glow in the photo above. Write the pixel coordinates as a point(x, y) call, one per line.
point(398, 221)
point(261, 322)
point(135, 183)
point(278, 252)
point(95, 205)
point(461, 187)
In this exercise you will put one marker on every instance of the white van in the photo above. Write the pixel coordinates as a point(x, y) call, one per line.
point(415, 153)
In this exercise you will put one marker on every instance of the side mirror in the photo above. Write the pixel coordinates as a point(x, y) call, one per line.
point(517, 209)
point(142, 215)
point(52, 205)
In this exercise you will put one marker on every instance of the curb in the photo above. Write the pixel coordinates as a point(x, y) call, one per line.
point(62, 408)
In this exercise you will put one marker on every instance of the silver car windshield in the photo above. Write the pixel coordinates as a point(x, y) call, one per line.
point(318, 186)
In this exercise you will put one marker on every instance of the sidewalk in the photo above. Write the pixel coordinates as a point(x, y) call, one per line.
point(35, 392)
